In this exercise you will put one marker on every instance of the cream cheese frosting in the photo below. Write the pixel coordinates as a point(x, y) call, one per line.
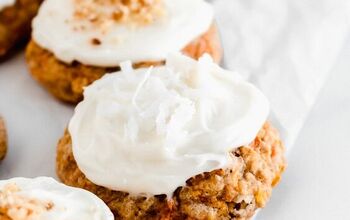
point(6, 3)
point(147, 131)
point(45, 199)
point(78, 40)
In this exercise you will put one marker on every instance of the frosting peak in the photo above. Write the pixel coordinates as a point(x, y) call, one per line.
point(160, 126)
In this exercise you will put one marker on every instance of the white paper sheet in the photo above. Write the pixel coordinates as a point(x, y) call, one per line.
point(287, 48)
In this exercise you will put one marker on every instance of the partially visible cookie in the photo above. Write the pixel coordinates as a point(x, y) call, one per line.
point(44, 198)
point(66, 81)
point(15, 23)
point(3, 139)
point(72, 48)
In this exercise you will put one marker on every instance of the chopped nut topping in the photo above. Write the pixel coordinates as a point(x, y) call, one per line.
point(19, 207)
point(103, 12)
point(96, 41)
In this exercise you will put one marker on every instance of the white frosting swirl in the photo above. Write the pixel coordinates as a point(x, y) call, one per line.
point(183, 22)
point(45, 199)
point(149, 130)
point(6, 3)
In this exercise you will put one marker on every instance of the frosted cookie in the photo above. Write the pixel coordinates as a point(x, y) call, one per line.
point(3, 139)
point(15, 22)
point(45, 199)
point(73, 47)
point(187, 140)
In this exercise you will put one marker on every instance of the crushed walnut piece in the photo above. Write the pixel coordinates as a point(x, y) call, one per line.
point(19, 207)
point(96, 41)
point(105, 12)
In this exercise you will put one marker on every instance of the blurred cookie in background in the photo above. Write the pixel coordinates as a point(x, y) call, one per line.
point(72, 48)
point(15, 23)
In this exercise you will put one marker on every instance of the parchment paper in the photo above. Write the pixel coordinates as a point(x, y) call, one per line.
point(285, 47)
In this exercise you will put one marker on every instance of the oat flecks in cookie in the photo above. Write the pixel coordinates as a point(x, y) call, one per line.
point(13, 205)
point(103, 13)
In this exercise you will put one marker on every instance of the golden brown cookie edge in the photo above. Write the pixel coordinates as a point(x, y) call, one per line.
point(233, 193)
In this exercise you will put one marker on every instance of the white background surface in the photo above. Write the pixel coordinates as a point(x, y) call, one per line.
point(316, 183)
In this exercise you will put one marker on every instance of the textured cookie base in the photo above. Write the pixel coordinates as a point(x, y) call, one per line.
point(66, 81)
point(232, 193)
point(3, 215)
point(15, 24)
point(3, 139)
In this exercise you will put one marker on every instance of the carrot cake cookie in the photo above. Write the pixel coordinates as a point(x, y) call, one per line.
point(187, 140)
point(75, 42)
